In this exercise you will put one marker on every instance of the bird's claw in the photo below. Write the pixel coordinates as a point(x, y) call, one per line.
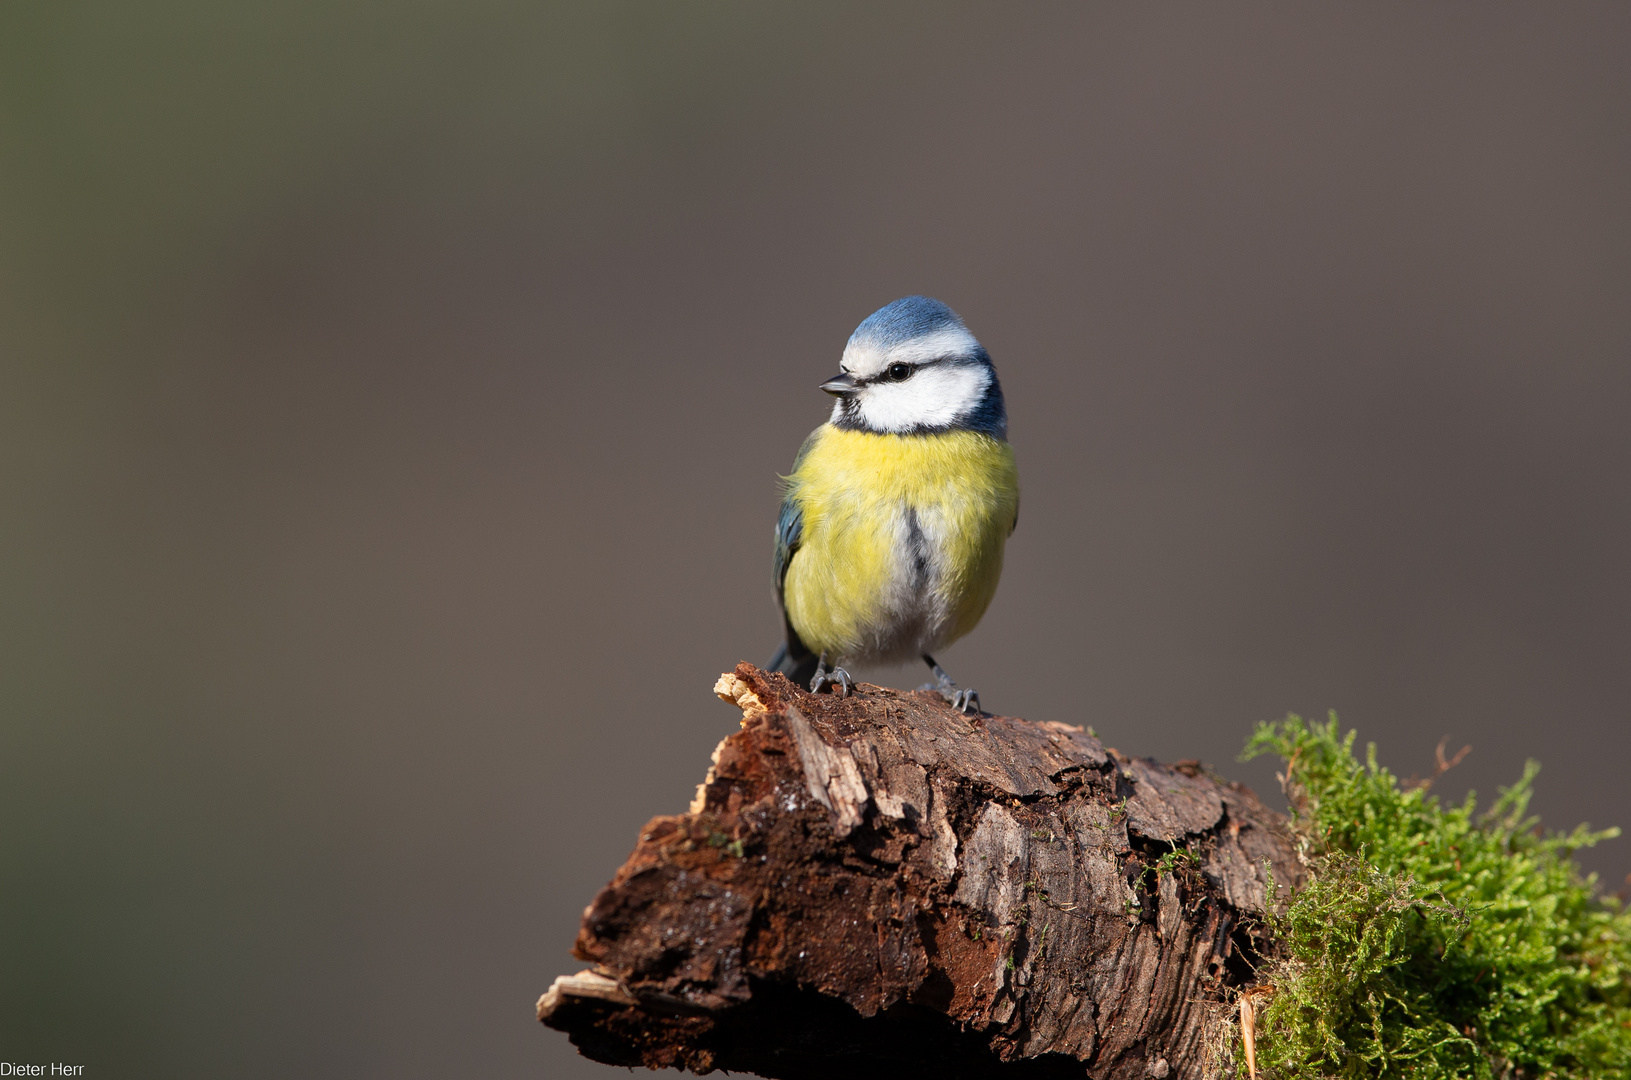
point(836, 678)
point(963, 701)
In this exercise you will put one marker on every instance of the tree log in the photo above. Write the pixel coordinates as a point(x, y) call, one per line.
point(877, 886)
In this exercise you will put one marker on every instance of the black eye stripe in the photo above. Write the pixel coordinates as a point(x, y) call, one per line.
point(888, 375)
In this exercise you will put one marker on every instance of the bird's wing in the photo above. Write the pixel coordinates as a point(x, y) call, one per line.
point(794, 659)
point(789, 531)
point(790, 522)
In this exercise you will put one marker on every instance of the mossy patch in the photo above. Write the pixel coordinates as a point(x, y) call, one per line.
point(1433, 941)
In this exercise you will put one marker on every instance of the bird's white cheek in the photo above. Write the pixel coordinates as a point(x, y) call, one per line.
point(898, 407)
point(934, 397)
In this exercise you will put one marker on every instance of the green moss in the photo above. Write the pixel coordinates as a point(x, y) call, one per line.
point(1433, 941)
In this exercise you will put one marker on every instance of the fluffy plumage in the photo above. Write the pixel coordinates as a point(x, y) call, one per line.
point(890, 539)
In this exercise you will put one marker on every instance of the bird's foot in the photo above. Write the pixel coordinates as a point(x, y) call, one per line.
point(837, 679)
point(964, 701)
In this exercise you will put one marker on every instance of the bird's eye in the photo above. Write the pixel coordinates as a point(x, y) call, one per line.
point(897, 372)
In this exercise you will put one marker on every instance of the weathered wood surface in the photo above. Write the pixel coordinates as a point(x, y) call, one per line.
point(879, 886)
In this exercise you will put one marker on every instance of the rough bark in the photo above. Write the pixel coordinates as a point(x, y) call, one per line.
point(879, 886)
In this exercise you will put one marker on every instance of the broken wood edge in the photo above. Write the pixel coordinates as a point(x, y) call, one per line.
point(585, 984)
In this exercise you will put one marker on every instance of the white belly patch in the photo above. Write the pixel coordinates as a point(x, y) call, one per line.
point(917, 612)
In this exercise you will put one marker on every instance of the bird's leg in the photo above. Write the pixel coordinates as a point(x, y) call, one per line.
point(837, 677)
point(964, 701)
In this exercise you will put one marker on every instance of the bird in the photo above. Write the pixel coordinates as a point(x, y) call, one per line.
point(890, 536)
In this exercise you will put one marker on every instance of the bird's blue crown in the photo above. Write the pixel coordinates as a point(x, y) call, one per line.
point(908, 319)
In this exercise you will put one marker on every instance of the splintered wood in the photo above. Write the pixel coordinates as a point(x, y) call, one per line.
point(877, 886)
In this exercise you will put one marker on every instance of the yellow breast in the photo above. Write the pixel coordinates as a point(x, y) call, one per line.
point(902, 539)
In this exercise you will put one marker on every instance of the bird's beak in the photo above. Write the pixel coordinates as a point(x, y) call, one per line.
point(840, 385)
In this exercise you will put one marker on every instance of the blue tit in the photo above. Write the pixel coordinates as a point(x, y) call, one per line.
point(890, 537)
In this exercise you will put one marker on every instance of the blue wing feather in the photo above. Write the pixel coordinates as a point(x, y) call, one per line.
point(789, 531)
point(793, 657)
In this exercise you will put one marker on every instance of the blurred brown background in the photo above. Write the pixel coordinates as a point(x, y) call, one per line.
point(392, 397)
